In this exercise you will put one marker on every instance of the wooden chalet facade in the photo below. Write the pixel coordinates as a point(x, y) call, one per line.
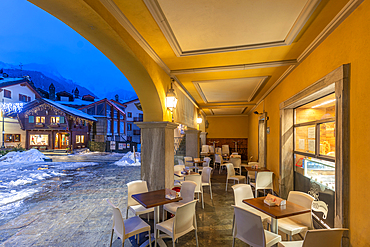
point(50, 125)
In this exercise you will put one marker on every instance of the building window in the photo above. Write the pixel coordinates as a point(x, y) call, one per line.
point(115, 113)
point(80, 138)
point(129, 114)
point(314, 141)
point(115, 127)
point(31, 119)
point(39, 140)
point(122, 127)
point(24, 98)
point(109, 127)
point(100, 110)
point(55, 120)
point(40, 119)
point(9, 138)
point(91, 110)
point(17, 137)
point(61, 119)
point(29, 99)
point(7, 94)
point(129, 127)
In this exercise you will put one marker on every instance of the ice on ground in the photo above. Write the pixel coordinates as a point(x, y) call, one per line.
point(71, 165)
point(32, 155)
point(14, 195)
point(128, 159)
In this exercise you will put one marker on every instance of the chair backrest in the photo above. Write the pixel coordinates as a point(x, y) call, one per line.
point(186, 159)
point(211, 149)
point(118, 222)
point(250, 158)
point(230, 170)
point(206, 174)
point(181, 162)
point(187, 191)
point(207, 161)
point(249, 227)
point(218, 158)
point(237, 162)
point(218, 150)
point(135, 187)
point(225, 149)
point(184, 218)
point(197, 179)
point(178, 168)
point(264, 180)
point(205, 149)
point(235, 153)
point(324, 237)
point(241, 192)
point(304, 200)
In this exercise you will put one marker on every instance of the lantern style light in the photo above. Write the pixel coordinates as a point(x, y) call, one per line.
point(171, 99)
point(199, 120)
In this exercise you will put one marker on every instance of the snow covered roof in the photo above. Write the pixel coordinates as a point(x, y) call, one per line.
point(76, 102)
point(70, 110)
point(8, 80)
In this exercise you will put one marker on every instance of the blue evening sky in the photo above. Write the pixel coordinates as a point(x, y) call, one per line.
point(28, 34)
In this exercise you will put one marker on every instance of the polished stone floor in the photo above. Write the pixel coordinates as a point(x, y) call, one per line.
point(80, 216)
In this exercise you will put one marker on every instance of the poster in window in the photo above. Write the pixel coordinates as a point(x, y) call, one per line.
point(128, 145)
point(301, 144)
point(120, 146)
point(311, 145)
point(112, 145)
point(17, 137)
point(311, 132)
point(124, 145)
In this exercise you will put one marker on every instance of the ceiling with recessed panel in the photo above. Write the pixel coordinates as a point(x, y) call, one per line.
point(227, 56)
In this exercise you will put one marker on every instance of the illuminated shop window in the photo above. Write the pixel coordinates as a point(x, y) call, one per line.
point(39, 140)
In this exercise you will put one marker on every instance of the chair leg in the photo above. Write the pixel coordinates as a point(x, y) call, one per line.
point(173, 242)
point(150, 239)
point(202, 201)
point(138, 238)
point(111, 238)
point(126, 213)
point(196, 236)
point(210, 190)
point(256, 193)
point(226, 184)
point(148, 217)
point(290, 237)
point(232, 229)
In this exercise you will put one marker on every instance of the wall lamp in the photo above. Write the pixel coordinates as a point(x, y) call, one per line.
point(199, 120)
point(257, 113)
point(171, 99)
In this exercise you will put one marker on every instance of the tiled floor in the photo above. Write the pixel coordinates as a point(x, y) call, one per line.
point(80, 216)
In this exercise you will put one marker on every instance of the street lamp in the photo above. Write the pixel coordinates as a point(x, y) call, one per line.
point(171, 99)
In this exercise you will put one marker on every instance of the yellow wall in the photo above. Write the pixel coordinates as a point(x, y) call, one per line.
point(347, 44)
point(227, 127)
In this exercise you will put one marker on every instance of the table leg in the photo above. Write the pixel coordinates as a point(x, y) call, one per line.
point(160, 242)
point(274, 225)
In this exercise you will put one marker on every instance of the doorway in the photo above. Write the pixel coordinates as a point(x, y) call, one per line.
point(61, 140)
point(262, 139)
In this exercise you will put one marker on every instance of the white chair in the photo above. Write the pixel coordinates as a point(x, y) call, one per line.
point(199, 188)
point(298, 223)
point(136, 187)
point(187, 194)
point(263, 182)
point(318, 238)
point(181, 162)
point(235, 153)
point(218, 150)
point(205, 150)
point(231, 174)
point(178, 180)
point(207, 161)
point(127, 228)
point(252, 175)
point(206, 179)
point(225, 149)
point(183, 222)
point(186, 159)
point(211, 149)
point(249, 229)
point(218, 160)
point(244, 191)
point(237, 162)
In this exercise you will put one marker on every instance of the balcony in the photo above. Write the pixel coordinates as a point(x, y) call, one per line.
point(138, 119)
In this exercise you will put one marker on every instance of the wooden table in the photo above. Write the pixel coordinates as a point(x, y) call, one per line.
point(250, 169)
point(276, 212)
point(181, 175)
point(195, 162)
point(155, 199)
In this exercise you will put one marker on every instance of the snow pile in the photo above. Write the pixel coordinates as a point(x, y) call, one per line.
point(129, 160)
point(32, 155)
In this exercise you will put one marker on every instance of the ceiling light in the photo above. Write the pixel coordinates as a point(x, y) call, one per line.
point(325, 103)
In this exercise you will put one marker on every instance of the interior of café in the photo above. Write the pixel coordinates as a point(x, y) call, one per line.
point(282, 84)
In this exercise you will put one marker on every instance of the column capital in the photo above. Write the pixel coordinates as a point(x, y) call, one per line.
point(152, 125)
point(194, 131)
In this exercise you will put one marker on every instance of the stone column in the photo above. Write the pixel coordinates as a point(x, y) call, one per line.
point(203, 138)
point(157, 154)
point(192, 142)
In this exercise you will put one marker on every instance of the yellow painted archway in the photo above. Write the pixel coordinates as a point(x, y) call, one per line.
point(91, 20)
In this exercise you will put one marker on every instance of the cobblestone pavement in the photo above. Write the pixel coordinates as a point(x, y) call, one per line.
point(78, 215)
